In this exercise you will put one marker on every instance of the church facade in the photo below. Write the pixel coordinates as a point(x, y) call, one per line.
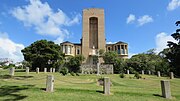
point(93, 38)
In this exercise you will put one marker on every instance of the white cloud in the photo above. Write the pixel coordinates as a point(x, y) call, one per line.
point(10, 49)
point(110, 42)
point(173, 5)
point(44, 20)
point(161, 41)
point(130, 18)
point(144, 19)
point(131, 54)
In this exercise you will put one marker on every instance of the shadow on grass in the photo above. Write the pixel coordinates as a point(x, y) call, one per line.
point(157, 95)
point(14, 77)
point(20, 70)
point(79, 90)
point(44, 89)
point(10, 93)
point(100, 91)
point(5, 76)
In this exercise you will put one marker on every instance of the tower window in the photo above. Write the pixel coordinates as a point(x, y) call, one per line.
point(93, 32)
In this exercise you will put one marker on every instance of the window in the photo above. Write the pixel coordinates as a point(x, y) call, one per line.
point(93, 32)
point(109, 48)
point(119, 50)
point(78, 51)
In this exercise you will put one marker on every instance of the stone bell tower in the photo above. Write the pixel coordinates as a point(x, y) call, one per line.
point(93, 37)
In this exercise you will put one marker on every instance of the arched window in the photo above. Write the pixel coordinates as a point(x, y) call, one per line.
point(93, 32)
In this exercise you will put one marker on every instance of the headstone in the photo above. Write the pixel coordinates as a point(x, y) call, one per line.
point(37, 70)
point(171, 75)
point(50, 83)
point(142, 72)
point(98, 64)
point(106, 87)
point(27, 70)
point(11, 71)
point(54, 70)
point(50, 70)
point(127, 71)
point(149, 72)
point(158, 74)
point(165, 87)
point(45, 70)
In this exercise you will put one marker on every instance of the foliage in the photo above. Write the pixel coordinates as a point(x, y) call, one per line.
point(118, 63)
point(43, 54)
point(72, 74)
point(149, 61)
point(64, 71)
point(173, 52)
point(73, 63)
point(26, 64)
point(122, 75)
point(137, 76)
point(110, 57)
point(101, 52)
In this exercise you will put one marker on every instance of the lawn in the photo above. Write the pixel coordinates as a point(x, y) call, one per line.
point(31, 87)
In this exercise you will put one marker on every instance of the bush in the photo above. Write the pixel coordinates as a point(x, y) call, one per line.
point(64, 71)
point(122, 75)
point(77, 74)
point(72, 74)
point(137, 76)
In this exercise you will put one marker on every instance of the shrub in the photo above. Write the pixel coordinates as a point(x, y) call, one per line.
point(72, 74)
point(137, 76)
point(122, 75)
point(77, 74)
point(64, 71)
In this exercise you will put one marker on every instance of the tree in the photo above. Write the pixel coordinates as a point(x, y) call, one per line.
point(42, 54)
point(119, 64)
point(149, 61)
point(173, 52)
point(74, 63)
point(110, 57)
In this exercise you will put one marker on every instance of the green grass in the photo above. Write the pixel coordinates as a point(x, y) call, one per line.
point(31, 87)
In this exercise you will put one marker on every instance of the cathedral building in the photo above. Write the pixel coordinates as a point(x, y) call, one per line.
point(93, 38)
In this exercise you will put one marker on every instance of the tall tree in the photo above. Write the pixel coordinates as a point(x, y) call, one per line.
point(43, 54)
point(173, 54)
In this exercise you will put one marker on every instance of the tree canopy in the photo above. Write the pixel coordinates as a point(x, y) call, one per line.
point(173, 52)
point(43, 54)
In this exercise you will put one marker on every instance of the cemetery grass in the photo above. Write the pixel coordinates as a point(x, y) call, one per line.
point(31, 87)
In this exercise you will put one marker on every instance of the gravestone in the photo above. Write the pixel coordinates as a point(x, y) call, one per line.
point(171, 75)
point(45, 70)
point(127, 71)
point(54, 70)
point(106, 87)
point(11, 71)
point(37, 70)
point(50, 70)
point(158, 74)
point(165, 87)
point(50, 83)
point(149, 72)
point(142, 72)
point(27, 70)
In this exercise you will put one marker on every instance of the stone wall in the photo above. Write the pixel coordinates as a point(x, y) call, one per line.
point(92, 69)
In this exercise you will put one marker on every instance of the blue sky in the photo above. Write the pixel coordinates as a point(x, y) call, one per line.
point(143, 24)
